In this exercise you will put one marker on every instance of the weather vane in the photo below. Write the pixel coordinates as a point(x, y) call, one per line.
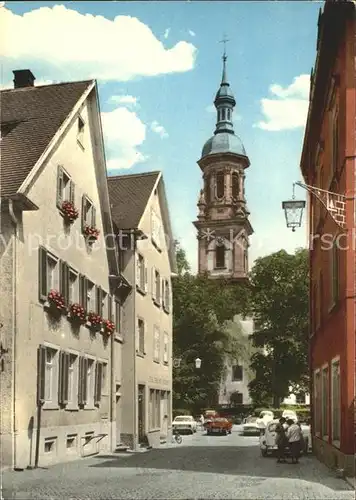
point(224, 40)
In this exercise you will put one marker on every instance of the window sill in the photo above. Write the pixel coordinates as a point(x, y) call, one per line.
point(90, 406)
point(220, 268)
point(336, 444)
point(140, 290)
point(118, 338)
point(166, 310)
point(165, 363)
point(71, 408)
point(50, 406)
point(156, 303)
point(140, 354)
point(80, 144)
point(156, 361)
point(156, 429)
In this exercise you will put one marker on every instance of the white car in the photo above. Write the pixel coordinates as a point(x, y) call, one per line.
point(250, 426)
point(184, 423)
point(268, 439)
point(264, 418)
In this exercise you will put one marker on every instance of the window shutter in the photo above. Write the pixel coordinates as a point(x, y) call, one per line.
point(137, 269)
point(93, 216)
point(167, 296)
point(42, 274)
point(64, 280)
point(41, 370)
point(158, 289)
point(153, 283)
point(59, 186)
point(84, 211)
point(81, 382)
point(71, 191)
point(98, 380)
point(83, 290)
point(117, 318)
point(99, 300)
point(163, 293)
point(66, 359)
point(60, 377)
point(85, 380)
point(146, 276)
point(109, 307)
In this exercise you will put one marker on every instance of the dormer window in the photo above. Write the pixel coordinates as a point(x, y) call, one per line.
point(220, 185)
point(80, 132)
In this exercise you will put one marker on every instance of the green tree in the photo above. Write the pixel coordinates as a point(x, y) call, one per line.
point(279, 286)
point(203, 309)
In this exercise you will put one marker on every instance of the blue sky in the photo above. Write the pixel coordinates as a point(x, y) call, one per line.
point(158, 67)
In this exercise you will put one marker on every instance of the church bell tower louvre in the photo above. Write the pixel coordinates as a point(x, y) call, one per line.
point(223, 225)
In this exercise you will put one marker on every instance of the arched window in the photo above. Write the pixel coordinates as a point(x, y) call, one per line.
point(235, 185)
point(207, 188)
point(223, 114)
point(229, 114)
point(220, 185)
point(220, 256)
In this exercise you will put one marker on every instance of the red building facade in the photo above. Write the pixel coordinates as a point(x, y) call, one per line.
point(329, 163)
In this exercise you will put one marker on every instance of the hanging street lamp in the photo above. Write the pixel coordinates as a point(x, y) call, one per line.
point(293, 211)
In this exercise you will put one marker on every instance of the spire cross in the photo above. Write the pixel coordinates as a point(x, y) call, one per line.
point(224, 40)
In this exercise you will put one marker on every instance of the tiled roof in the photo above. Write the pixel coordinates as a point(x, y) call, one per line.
point(29, 118)
point(129, 195)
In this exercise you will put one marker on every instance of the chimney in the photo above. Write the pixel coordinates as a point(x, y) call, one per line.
point(23, 78)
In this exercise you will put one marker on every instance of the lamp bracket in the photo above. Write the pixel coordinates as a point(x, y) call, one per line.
point(333, 202)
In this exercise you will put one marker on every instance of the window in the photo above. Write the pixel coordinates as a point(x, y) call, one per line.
point(141, 335)
point(100, 378)
point(167, 296)
point(98, 301)
point(104, 379)
point(80, 132)
point(50, 444)
point(237, 373)
point(151, 407)
point(207, 188)
point(72, 441)
point(117, 319)
point(156, 346)
point(104, 304)
point(72, 379)
point(325, 401)
point(65, 187)
point(50, 377)
point(335, 140)
point(165, 348)
point(47, 376)
point(220, 256)
point(156, 286)
point(235, 185)
point(73, 288)
point(88, 213)
point(220, 185)
point(141, 277)
point(317, 402)
point(334, 274)
point(223, 114)
point(90, 382)
point(158, 410)
point(90, 296)
point(335, 400)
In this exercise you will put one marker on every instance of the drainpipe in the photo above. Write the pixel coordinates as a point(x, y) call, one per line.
point(14, 335)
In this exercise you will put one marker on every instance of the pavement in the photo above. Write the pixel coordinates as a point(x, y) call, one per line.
point(202, 467)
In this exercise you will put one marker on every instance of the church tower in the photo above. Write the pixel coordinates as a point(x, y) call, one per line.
point(223, 225)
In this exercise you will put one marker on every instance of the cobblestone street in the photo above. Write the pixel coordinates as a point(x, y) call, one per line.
point(201, 467)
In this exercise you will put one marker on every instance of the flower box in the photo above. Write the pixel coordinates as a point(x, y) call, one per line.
point(108, 327)
point(55, 303)
point(94, 321)
point(70, 213)
point(77, 313)
point(91, 233)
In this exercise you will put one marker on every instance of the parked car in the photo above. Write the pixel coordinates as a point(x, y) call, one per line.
point(250, 426)
point(268, 439)
point(184, 423)
point(219, 425)
point(264, 418)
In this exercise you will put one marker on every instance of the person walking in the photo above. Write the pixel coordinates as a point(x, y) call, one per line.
point(281, 440)
point(294, 436)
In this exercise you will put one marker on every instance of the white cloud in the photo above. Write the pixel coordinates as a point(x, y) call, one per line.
point(166, 33)
point(123, 133)
point(124, 99)
point(159, 129)
point(81, 46)
point(288, 108)
point(191, 33)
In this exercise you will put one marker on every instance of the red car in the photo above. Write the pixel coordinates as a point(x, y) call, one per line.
point(218, 425)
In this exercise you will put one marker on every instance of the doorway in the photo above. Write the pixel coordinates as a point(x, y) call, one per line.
point(141, 414)
point(164, 414)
